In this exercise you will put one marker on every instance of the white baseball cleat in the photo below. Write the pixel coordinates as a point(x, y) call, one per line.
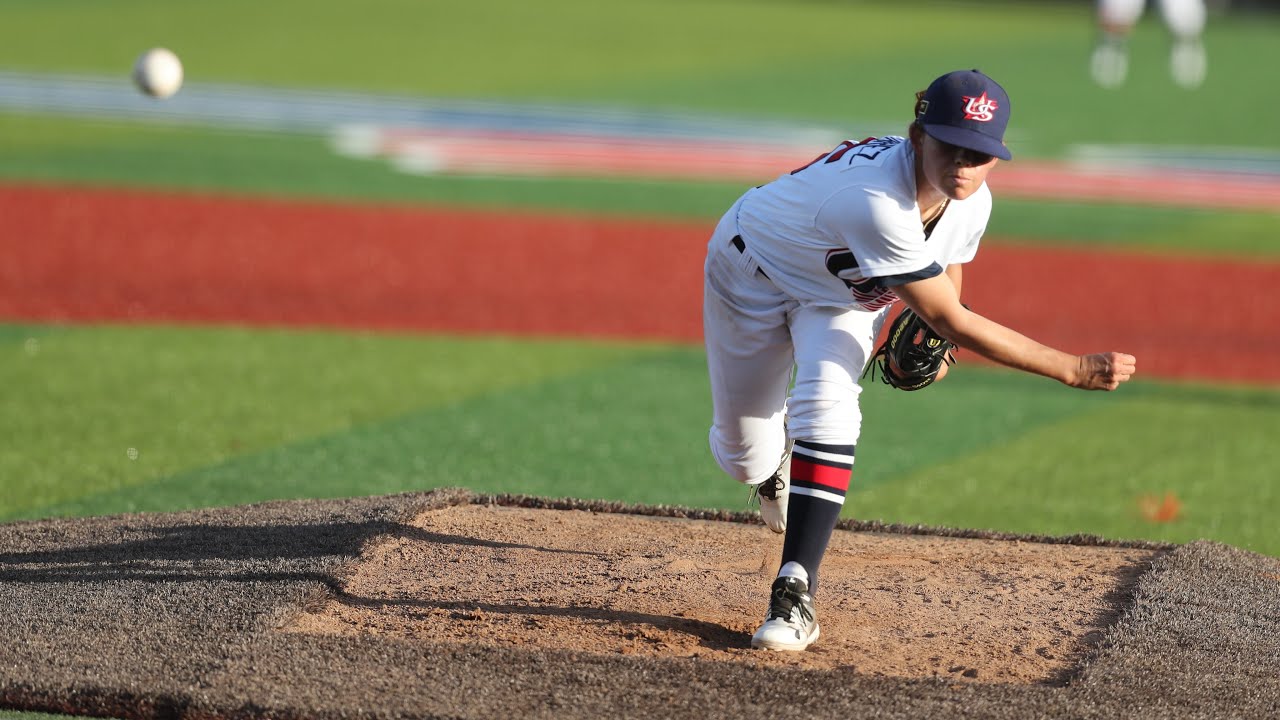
point(791, 623)
point(773, 494)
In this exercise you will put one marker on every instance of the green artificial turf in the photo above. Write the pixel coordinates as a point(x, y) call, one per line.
point(225, 417)
point(632, 430)
point(95, 410)
point(1087, 467)
point(1170, 230)
point(847, 63)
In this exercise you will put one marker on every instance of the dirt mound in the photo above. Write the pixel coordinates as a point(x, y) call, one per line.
point(894, 605)
point(449, 604)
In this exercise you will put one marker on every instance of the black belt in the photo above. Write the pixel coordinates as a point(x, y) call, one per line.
point(742, 248)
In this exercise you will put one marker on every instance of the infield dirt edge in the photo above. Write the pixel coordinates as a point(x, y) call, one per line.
point(1196, 639)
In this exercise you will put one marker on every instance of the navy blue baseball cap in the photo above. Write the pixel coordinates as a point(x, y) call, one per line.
point(967, 109)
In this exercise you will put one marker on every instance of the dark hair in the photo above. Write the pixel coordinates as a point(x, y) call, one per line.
point(920, 106)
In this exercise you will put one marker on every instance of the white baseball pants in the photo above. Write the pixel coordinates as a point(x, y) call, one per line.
point(755, 334)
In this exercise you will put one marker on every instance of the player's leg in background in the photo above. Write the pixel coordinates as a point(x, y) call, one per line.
point(1109, 63)
point(1185, 19)
point(749, 361)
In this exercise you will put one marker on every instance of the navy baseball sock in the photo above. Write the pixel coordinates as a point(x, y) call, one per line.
point(820, 476)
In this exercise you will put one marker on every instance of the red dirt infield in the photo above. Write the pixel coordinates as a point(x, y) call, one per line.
point(79, 255)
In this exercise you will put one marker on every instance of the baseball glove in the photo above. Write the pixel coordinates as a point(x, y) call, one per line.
point(912, 354)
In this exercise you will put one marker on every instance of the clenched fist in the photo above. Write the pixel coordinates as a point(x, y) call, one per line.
point(1104, 371)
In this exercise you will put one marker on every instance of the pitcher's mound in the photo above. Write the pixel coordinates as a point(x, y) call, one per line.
point(889, 604)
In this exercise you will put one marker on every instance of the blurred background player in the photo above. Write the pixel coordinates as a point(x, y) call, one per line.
point(1116, 18)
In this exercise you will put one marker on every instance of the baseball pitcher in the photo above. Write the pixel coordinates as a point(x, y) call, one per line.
point(799, 278)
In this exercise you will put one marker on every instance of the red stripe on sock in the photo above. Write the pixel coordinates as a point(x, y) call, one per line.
point(825, 475)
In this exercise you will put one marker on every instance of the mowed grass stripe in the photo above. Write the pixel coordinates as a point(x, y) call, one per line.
point(654, 51)
point(106, 408)
point(1219, 234)
point(988, 449)
point(975, 408)
point(1212, 449)
point(633, 430)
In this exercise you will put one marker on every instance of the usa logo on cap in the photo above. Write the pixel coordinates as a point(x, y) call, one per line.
point(967, 109)
point(980, 108)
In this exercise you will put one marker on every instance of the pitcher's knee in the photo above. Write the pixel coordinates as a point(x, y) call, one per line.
point(836, 422)
point(747, 462)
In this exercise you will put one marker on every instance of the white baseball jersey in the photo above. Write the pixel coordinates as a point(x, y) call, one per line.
point(844, 229)
point(798, 274)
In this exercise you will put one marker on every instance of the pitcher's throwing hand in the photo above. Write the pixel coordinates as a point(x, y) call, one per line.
point(1104, 371)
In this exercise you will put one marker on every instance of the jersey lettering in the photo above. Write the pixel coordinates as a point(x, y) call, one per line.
point(872, 147)
point(868, 148)
point(866, 291)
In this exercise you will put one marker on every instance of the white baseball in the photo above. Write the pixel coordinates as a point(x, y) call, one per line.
point(158, 73)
